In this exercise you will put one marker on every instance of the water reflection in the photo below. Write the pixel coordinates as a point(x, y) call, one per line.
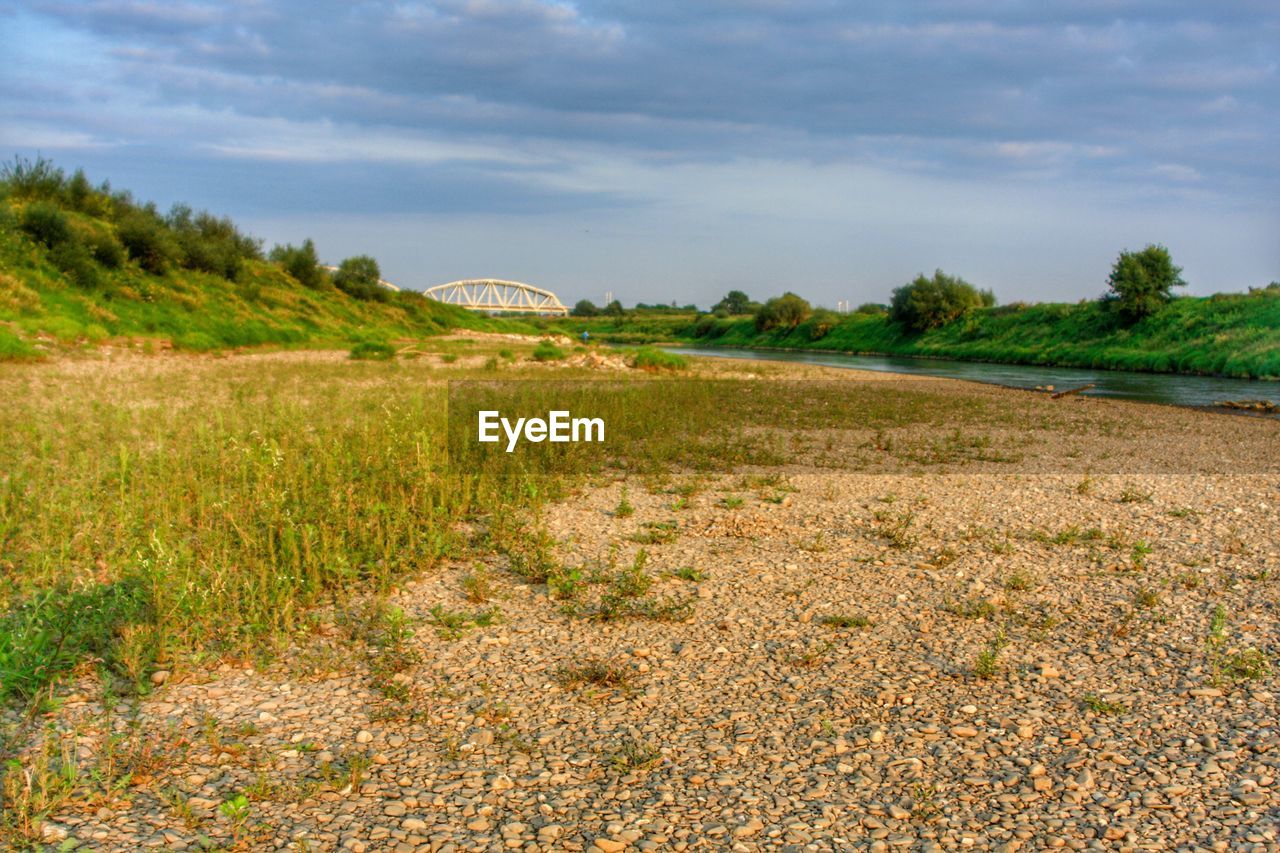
point(1166, 388)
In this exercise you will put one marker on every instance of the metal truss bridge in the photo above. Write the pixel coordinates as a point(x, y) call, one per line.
point(495, 295)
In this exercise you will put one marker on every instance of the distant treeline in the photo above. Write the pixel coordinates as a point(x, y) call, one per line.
point(1138, 324)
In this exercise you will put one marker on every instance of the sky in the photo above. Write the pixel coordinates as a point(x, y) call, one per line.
point(675, 149)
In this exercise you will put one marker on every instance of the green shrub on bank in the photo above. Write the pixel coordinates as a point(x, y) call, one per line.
point(648, 358)
point(47, 224)
point(301, 262)
point(928, 303)
point(547, 351)
point(373, 351)
point(359, 277)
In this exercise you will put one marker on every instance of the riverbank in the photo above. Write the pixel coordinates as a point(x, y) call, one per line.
point(1234, 335)
point(808, 607)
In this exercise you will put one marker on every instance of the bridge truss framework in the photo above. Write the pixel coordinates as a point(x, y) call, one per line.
point(496, 295)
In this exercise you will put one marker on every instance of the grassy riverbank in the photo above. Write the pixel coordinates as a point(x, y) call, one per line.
point(1227, 334)
point(82, 265)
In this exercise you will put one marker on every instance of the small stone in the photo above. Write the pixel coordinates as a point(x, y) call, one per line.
point(363, 736)
point(160, 676)
point(964, 731)
point(608, 845)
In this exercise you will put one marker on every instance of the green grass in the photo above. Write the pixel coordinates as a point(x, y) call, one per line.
point(373, 351)
point(648, 358)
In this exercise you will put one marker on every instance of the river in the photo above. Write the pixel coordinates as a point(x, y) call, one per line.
point(1170, 388)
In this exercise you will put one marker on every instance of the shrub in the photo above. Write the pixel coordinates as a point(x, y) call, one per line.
point(76, 262)
point(147, 241)
point(648, 358)
point(821, 323)
point(585, 308)
point(874, 309)
point(373, 351)
point(704, 326)
point(209, 243)
point(29, 180)
point(358, 277)
point(301, 262)
point(1143, 281)
point(47, 224)
point(614, 309)
point(786, 311)
point(927, 303)
point(547, 351)
point(106, 249)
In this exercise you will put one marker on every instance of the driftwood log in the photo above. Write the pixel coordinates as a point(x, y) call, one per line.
point(1059, 395)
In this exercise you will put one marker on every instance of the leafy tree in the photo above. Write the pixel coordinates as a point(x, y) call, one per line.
point(358, 277)
point(734, 302)
point(786, 311)
point(1143, 281)
point(301, 262)
point(927, 303)
point(614, 309)
point(585, 308)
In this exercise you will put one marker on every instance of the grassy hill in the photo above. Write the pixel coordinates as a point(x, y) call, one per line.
point(81, 264)
point(1235, 334)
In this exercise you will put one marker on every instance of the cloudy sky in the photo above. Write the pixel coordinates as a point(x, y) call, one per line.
point(673, 149)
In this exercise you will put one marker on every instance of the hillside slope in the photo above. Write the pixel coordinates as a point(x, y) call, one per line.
point(81, 264)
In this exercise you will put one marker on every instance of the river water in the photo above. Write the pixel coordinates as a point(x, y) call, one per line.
point(1173, 389)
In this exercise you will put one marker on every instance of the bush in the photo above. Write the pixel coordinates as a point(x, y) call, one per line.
point(209, 243)
point(821, 323)
point(106, 250)
point(786, 311)
point(927, 303)
point(358, 277)
point(1141, 282)
point(27, 180)
point(873, 309)
point(704, 326)
point(47, 224)
point(373, 351)
point(75, 261)
point(585, 308)
point(547, 351)
point(147, 241)
point(614, 309)
point(301, 262)
point(648, 358)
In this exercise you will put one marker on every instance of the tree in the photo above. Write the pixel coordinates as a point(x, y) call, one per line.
point(927, 303)
point(1143, 281)
point(734, 302)
point(358, 277)
point(585, 308)
point(787, 311)
point(301, 262)
point(614, 309)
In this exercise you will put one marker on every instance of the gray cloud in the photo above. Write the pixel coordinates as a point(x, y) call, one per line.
point(543, 107)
